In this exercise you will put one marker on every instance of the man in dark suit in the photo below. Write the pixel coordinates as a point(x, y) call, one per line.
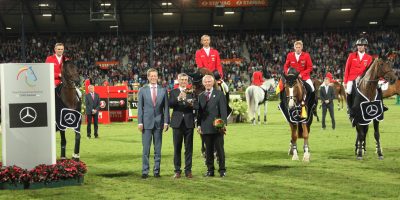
point(212, 105)
point(92, 101)
point(153, 117)
point(182, 122)
point(327, 95)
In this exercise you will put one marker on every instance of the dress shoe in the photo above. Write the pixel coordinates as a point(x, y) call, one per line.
point(189, 175)
point(157, 175)
point(177, 175)
point(145, 176)
point(222, 174)
point(96, 137)
point(209, 174)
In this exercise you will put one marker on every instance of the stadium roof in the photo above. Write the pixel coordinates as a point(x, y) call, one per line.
point(185, 15)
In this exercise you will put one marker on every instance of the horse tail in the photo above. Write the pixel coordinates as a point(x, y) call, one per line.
point(249, 100)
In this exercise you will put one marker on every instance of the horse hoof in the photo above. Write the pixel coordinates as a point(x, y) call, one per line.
point(359, 157)
point(306, 157)
point(295, 157)
point(380, 157)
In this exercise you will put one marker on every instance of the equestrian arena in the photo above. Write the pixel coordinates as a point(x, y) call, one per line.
point(279, 141)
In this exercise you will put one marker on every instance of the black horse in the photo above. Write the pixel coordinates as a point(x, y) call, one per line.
point(367, 101)
point(68, 107)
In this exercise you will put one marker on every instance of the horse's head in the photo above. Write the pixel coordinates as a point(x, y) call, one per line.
point(293, 88)
point(197, 82)
point(70, 73)
point(385, 70)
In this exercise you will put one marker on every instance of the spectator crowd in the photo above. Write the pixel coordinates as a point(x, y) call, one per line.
point(173, 54)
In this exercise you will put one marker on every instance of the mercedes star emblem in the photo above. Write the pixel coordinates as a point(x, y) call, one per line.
point(69, 118)
point(295, 114)
point(372, 110)
point(28, 115)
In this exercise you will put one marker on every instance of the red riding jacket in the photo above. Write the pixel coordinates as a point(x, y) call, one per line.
point(356, 67)
point(57, 68)
point(258, 79)
point(303, 66)
point(211, 62)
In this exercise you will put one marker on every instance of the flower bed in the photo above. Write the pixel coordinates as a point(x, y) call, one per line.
point(64, 172)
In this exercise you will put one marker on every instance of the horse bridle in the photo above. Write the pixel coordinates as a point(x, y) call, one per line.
point(376, 72)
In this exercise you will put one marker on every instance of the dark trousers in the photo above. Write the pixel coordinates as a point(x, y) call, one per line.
point(183, 134)
point(215, 140)
point(95, 124)
point(329, 107)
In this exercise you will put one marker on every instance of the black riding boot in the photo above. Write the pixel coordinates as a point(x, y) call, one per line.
point(385, 108)
point(350, 100)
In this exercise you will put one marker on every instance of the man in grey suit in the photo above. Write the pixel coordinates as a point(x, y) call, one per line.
point(153, 117)
point(327, 95)
point(92, 101)
point(212, 105)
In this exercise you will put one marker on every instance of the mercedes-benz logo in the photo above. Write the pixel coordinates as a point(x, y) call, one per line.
point(69, 118)
point(27, 115)
point(372, 110)
point(296, 114)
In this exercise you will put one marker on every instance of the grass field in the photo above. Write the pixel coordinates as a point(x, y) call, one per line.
point(258, 166)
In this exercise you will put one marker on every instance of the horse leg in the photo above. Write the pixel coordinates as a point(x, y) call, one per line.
point(76, 156)
point(265, 111)
point(293, 145)
point(361, 132)
point(306, 157)
point(63, 144)
point(377, 139)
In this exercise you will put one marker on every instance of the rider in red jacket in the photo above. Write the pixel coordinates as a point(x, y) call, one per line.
point(258, 79)
point(301, 61)
point(357, 63)
point(57, 59)
point(208, 57)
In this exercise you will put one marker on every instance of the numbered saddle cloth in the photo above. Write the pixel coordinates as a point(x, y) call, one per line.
point(366, 111)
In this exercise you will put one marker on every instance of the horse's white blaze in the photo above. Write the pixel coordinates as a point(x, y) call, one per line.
point(291, 101)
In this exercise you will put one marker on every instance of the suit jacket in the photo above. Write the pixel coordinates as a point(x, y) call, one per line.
point(153, 116)
point(210, 110)
point(326, 96)
point(181, 109)
point(92, 103)
point(212, 62)
point(57, 68)
point(303, 66)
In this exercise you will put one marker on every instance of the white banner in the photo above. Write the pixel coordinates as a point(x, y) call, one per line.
point(28, 114)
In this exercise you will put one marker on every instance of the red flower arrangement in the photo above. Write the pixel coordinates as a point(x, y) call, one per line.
point(62, 170)
point(219, 124)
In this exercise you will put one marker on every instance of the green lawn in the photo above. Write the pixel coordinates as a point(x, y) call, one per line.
point(258, 166)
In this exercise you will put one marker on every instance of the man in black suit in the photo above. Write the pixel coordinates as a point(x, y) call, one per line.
point(212, 105)
point(92, 102)
point(327, 95)
point(182, 123)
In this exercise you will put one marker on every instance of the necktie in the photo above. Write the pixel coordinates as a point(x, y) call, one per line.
point(207, 96)
point(154, 95)
point(93, 96)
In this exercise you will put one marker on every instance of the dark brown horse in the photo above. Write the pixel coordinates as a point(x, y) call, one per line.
point(367, 88)
point(295, 93)
point(68, 107)
point(392, 90)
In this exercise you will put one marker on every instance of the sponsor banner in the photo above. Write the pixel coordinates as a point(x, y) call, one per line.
point(28, 114)
point(232, 3)
point(106, 64)
point(133, 104)
point(232, 60)
point(119, 115)
point(117, 104)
